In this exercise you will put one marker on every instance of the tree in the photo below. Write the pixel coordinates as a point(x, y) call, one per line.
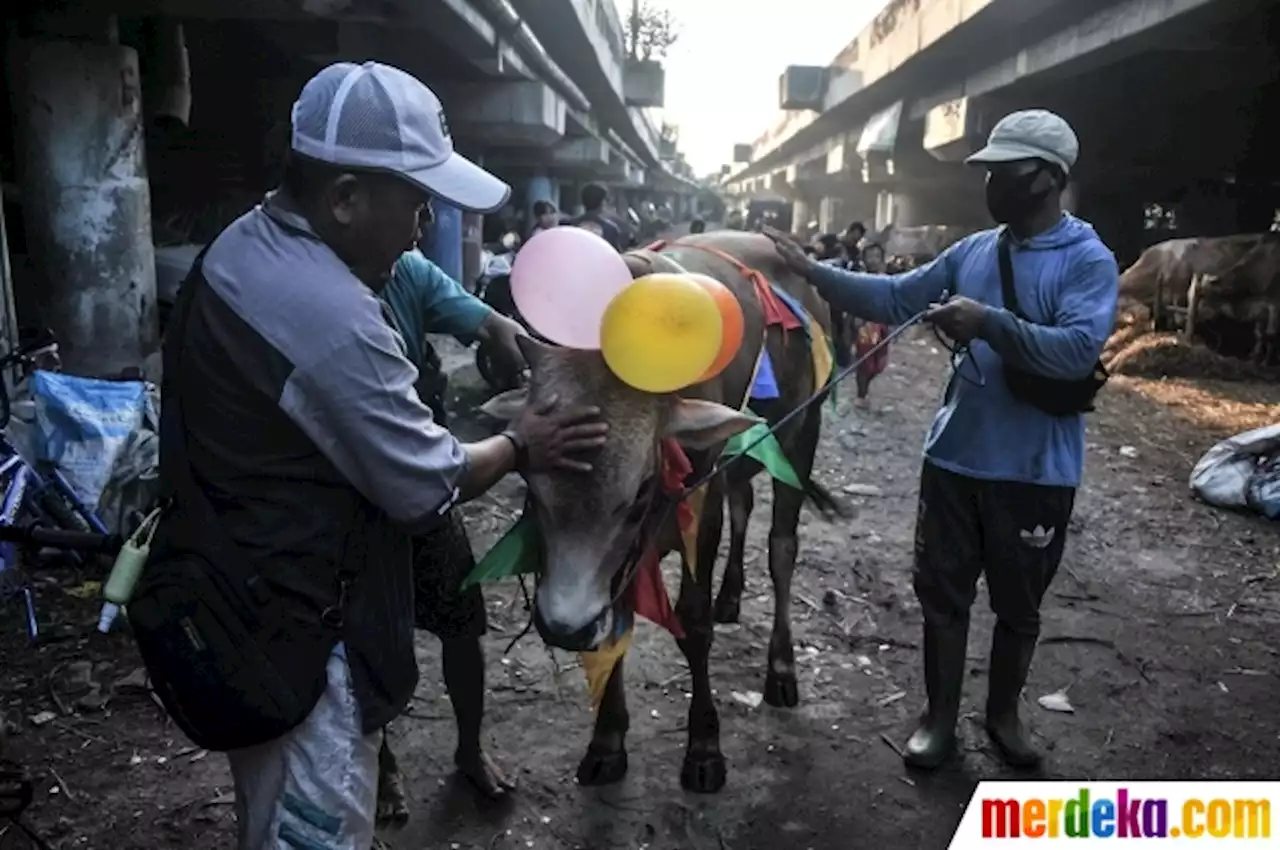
point(651, 30)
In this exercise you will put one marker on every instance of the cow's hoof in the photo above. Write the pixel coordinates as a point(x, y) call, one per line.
point(727, 609)
point(393, 802)
point(703, 773)
point(602, 767)
point(781, 690)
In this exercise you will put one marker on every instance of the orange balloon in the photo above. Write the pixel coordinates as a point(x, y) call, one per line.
point(731, 316)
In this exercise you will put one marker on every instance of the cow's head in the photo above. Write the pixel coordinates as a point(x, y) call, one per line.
point(588, 522)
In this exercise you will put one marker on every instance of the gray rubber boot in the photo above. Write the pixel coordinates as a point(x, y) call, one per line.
point(934, 740)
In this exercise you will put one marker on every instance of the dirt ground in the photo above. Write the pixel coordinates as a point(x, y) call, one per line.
point(1160, 628)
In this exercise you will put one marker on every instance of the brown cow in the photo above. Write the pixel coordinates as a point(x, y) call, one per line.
point(1162, 276)
point(1248, 294)
point(589, 523)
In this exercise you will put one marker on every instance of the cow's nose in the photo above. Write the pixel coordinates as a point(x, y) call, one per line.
point(568, 635)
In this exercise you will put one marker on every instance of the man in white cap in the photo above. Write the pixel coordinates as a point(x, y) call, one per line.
point(314, 460)
point(1031, 304)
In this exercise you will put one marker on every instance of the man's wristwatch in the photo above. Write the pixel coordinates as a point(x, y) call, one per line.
point(521, 447)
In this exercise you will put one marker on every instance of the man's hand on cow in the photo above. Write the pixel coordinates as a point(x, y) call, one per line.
point(959, 318)
point(504, 333)
point(555, 437)
point(791, 253)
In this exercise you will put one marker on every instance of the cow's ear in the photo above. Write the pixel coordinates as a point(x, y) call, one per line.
point(506, 406)
point(700, 424)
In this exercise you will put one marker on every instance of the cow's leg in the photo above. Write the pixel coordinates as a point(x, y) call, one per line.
point(780, 686)
point(741, 502)
point(606, 760)
point(704, 769)
point(393, 802)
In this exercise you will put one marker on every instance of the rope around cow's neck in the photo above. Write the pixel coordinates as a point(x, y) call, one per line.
point(804, 405)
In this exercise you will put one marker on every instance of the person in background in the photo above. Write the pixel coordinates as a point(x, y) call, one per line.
point(545, 217)
point(1000, 472)
point(829, 250)
point(869, 334)
point(852, 240)
point(497, 224)
point(597, 220)
point(424, 300)
point(316, 455)
point(697, 226)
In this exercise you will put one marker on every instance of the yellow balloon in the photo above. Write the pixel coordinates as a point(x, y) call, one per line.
point(661, 333)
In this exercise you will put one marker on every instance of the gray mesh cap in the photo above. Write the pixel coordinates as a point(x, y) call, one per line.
point(1031, 134)
point(374, 116)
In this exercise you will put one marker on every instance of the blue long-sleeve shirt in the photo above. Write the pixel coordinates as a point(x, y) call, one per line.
point(425, 300)
point(1066, 280)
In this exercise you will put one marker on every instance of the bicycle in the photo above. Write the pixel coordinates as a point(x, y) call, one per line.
point(46, 500)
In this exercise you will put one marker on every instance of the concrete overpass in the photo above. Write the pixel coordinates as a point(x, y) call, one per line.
point(1171, 99)
point(132, 124)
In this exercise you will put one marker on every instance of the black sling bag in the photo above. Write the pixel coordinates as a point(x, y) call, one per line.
point(1054, 396)
point(235, 660)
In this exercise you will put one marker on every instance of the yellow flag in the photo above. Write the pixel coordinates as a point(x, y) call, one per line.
point(823, 365)
point(599, 665)
point(689, 534)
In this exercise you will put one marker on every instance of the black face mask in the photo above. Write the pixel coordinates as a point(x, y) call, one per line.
point(1012, 198)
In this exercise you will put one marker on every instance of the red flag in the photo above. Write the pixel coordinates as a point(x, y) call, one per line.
point(648, 590)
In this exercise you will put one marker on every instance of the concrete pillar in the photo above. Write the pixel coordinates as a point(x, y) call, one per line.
point(168, 81)
point(472, 247)
point(443, 242)
point(801, 215)
point(77, 116)
point(829, 214)
point(886, 210)
point(540, 188)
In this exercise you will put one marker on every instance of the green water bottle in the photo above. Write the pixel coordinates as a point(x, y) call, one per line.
point(126, 570)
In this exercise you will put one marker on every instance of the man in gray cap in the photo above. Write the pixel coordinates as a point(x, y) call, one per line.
point(311, 454)
point(1030, 304)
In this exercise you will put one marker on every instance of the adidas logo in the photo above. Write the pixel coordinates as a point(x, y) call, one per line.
point(1038, 537)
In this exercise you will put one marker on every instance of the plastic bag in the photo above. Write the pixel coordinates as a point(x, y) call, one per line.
point(1223, 475)
point(1264, 488)
point(83, 426)
point(134, 485)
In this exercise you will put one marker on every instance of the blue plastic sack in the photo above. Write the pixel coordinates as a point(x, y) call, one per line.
point(82, 425)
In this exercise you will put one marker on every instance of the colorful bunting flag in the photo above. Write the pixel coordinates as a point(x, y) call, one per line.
point(764, 448)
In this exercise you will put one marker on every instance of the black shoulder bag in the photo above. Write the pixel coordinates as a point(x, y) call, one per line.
point(1054, 396)
point(235, 661)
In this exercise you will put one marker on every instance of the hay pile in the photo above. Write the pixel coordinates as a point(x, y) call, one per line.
point(1133, 351)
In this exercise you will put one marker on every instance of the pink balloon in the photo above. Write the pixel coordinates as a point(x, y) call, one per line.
point(562, 280)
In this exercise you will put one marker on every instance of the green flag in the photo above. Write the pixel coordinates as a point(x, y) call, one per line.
point(516, 553)
point(767, 452)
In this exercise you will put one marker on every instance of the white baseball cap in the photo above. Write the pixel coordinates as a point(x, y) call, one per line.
point(377, 117)
point(1031, 134)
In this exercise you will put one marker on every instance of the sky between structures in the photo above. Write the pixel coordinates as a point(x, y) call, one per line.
point(722, 74)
